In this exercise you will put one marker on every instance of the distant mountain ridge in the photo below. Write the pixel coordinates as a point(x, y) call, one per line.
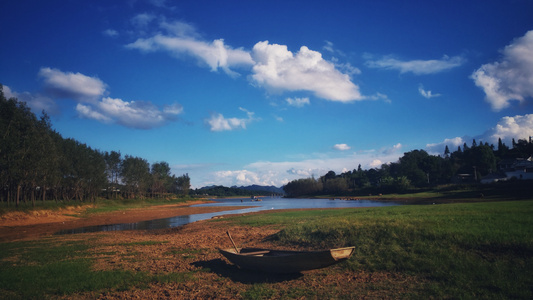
point(255, 189)
point(259, 188)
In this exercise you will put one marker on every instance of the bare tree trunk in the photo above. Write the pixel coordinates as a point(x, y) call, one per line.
point(44, 193)
point(17, 200)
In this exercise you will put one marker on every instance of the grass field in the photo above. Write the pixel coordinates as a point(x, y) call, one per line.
point(481, 250)
point(457, 251)
point(101, 205)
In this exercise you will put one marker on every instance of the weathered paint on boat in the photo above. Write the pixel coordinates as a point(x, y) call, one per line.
point(283, 261)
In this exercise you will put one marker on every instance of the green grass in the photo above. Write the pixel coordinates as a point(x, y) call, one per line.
point(477, 250)
point(99, 206)
point(104, 205)
point(47, 268)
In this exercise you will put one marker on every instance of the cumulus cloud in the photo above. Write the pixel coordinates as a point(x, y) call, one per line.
point(89, 92)
point(273, 66)
point(240, 177)
point(72, 85)
point(133, 114)
point(427, 94)
point(341, 147)
point(281, 172)
point(417, 67)
point(507, 128)
point(511, 78)
point(217, 121)
point(453, 144)
point(392, 150)
point(278, 69)
point(518, 127)
point(181, 40)
point(298, 102)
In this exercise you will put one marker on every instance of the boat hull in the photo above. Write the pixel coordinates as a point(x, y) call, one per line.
point(281, 261)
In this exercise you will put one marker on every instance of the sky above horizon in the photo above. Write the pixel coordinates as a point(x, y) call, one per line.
point(265, 92)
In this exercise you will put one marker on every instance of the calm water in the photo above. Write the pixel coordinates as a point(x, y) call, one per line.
point(267, 203)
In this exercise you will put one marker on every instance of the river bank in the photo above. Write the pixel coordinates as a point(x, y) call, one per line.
point(40, 223)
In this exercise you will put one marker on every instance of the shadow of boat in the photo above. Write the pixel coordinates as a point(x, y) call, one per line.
point(223, 269)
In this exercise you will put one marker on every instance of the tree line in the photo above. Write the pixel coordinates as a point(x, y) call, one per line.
point(415, 169)
point(37, 163)
point(223, 191)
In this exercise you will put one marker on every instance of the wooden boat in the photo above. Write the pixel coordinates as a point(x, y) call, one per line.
point(282, 261)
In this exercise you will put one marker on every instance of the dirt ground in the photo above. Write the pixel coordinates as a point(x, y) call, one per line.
point(192, 250)
point(39, 223)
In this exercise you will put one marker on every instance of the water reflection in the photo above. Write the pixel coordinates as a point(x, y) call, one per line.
point(266, 203)
point(289, 203)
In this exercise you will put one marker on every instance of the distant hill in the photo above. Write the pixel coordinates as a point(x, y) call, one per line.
point(251, 190)
point(260, 188)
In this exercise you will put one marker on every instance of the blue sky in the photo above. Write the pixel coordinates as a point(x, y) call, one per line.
point(264, 92)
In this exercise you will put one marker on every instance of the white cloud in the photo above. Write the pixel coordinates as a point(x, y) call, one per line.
point(418, 67)
point(507, 128)
point(346, 67)
point(278, 69)
point(518, 127)
point(393, 149)
point(328, 47)
point(298, 102)
point(379, 96)
point(240, 178)
point(217, 122)
point(427, 94)
point(376, 163)
point(133, 114)
point(511, 78)
point(341, 147)
point(274, 67)
point(280, 173)
point(110, 33)
point(72, 85)
point(88, 112)
point(181, 39)
point(142, 20)
point(453, 144)
point(88, 92)
point(180, 29)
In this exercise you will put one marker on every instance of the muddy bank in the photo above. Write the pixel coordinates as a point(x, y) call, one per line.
point(36, 224)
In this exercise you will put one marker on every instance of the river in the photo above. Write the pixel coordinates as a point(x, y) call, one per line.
point(266, 203)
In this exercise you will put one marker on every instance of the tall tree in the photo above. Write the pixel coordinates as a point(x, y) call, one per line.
point(161, 178)
point(135, 175)
point(113, 163)
point(183, 184)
